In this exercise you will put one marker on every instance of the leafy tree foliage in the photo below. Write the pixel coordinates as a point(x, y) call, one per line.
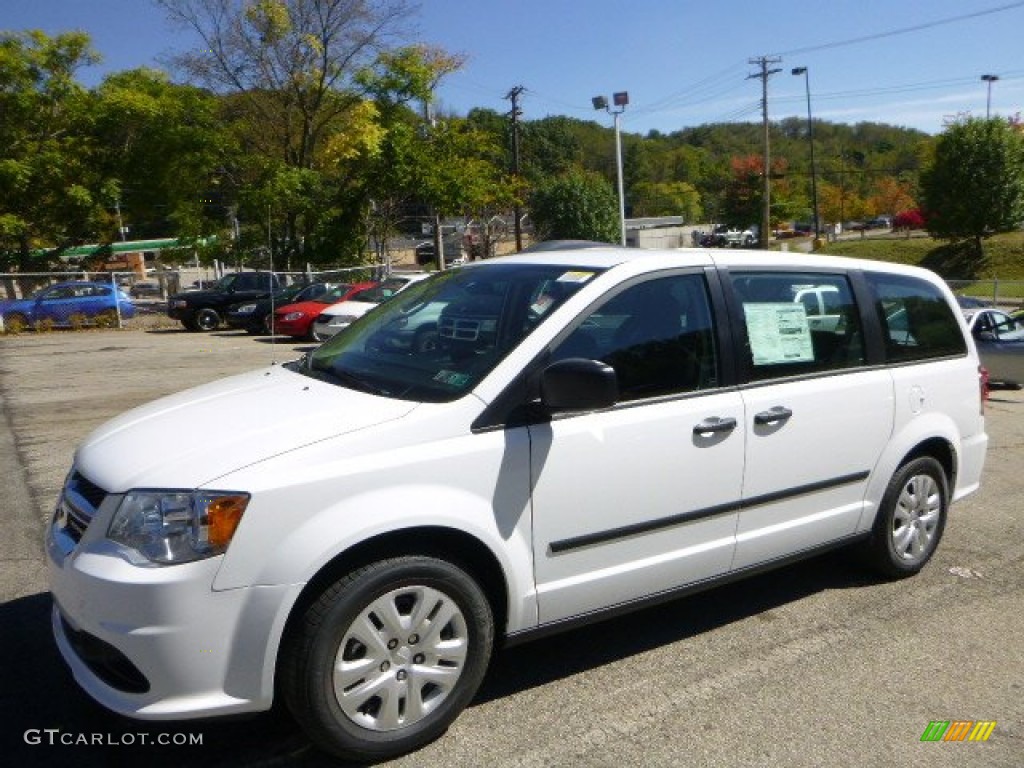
point(292, 66)
point(163, 149)
point(303, 122)
point(50, 192)
point(666, 198)
point(974, 186)
point(578, 205)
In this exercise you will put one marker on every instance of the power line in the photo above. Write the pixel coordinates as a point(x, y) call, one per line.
point(901, 30)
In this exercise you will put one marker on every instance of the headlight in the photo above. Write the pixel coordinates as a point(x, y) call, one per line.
point(294, 316)
point(169, 527)
point(245, 309)
point(179, 303)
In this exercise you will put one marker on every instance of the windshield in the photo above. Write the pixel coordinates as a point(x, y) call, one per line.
point(435, 340)
point(337, 293)
point(382, 292)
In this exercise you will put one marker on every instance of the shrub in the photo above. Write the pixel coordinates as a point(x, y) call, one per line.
point(912, 219)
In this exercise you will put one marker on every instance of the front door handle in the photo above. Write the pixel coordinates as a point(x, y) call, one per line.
point(714, 424)
point(772, 415)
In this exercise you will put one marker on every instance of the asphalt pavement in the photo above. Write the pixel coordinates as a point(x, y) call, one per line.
point(818, 664)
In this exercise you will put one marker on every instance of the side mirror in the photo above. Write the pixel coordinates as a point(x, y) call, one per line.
point(578, 384)
point(986, 336)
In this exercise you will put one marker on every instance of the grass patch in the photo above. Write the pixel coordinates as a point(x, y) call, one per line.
point(1003, 257)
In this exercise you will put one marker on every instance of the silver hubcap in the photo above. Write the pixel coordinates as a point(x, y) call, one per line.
point(401, 658)
point(916, 518)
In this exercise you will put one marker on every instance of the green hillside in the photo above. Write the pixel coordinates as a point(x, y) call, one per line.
point(1003, 260)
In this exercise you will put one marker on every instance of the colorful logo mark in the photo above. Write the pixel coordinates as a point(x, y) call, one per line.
point(958, 730)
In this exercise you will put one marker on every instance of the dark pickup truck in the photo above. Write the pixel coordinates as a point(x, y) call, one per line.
point(204, 310)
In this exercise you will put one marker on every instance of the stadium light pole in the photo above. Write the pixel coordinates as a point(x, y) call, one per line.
point(810, 137)
point(988, 100)
point(620, 100)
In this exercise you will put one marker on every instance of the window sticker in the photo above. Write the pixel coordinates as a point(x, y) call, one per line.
point(574, 276)
point(779, 333)
point(452, 378)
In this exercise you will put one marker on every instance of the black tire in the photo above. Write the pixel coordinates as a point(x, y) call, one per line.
point(415, 685)
point(312, 335)
point(910, 520)
point(206, 319)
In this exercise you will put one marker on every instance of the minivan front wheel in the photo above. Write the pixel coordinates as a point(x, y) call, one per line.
point(911, 518)
point(387, 657)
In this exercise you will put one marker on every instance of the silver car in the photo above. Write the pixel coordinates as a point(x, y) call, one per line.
point(1000, 341)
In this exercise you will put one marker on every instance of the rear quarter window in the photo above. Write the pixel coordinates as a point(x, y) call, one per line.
point(917, 320)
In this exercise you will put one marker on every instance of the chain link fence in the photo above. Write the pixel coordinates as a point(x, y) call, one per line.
point(992, 292)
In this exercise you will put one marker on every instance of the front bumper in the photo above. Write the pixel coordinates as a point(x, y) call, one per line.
point(180, 313)
point(296, 328)
point(159, 643)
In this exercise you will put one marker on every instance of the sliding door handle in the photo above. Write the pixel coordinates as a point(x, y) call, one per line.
point(772, 415)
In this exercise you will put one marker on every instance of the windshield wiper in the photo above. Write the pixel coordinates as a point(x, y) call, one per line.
point(345, 379)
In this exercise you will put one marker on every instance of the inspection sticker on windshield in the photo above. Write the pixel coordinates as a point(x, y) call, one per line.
point(452, 378)
point(574, 276)
point(779, 333)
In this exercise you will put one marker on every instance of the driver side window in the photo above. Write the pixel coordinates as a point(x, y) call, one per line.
point(657, 335)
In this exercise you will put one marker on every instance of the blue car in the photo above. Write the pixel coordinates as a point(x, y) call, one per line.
point(69, 304)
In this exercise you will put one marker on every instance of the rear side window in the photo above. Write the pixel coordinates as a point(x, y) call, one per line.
point(798, 323)
point(917, 321)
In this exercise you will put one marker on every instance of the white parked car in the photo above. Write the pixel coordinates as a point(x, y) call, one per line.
point(344, 313)
point(592, 430)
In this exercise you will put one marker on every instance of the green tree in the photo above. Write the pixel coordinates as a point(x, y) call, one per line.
point(578, 205)
point(974, 186)
point(666, 198)
point(163, 151)
point(291, 69)
point(50, 193)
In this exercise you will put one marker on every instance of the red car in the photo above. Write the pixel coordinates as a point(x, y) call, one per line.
point(296, 320)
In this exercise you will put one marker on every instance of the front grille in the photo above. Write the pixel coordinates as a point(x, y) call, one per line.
point(78, 504)
point(87, 489)
point(459, 329)
point(75, 524)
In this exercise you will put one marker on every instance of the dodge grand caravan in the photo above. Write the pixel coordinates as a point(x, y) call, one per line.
point(366, 523)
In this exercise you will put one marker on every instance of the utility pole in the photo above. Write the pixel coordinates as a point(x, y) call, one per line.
point(764, 74)
point(431, 123)
point(514, 114)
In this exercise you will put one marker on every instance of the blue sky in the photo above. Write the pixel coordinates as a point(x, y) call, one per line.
point(913, 62)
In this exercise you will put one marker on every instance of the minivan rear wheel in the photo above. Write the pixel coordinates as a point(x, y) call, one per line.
point(911, 518)
point(387, 657)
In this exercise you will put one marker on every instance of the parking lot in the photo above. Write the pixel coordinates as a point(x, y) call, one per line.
point(813, 665)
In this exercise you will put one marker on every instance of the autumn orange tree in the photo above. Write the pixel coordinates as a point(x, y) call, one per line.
point(744, 196)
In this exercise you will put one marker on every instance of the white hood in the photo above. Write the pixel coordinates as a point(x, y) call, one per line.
point(189, 439)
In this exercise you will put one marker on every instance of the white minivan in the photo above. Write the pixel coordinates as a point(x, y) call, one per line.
point(592, 429)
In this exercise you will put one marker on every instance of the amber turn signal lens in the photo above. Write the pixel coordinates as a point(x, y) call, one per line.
point(224, 515)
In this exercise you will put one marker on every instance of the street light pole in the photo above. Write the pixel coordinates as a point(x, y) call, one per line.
point(988, 100)
point(810, 137)
point(620, 100)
